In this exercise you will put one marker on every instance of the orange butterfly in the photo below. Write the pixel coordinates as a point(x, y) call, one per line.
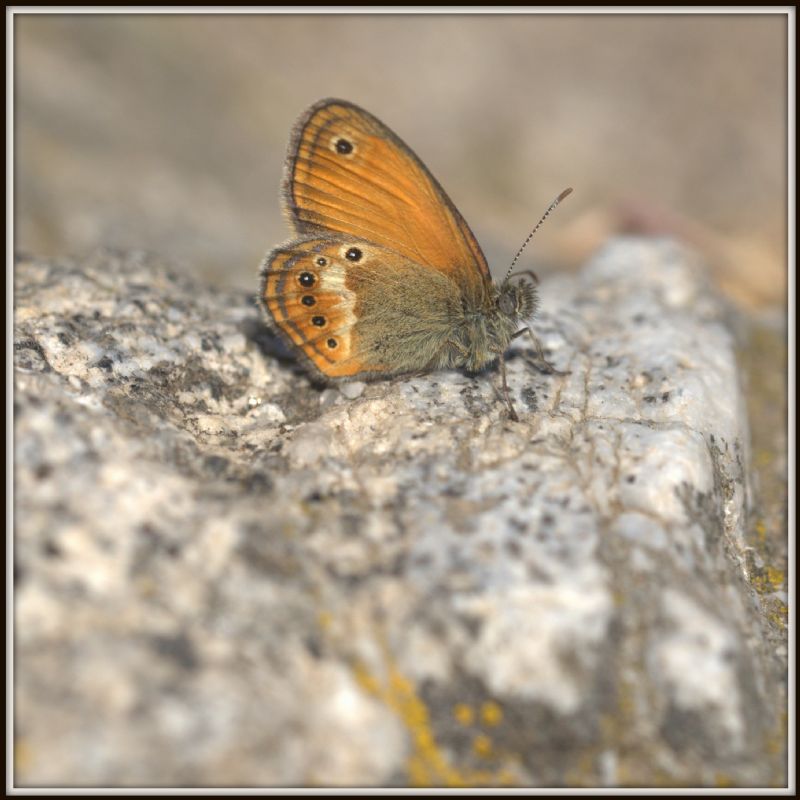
point(384, 276)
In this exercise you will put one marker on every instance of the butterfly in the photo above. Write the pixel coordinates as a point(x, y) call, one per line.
point(383, 276)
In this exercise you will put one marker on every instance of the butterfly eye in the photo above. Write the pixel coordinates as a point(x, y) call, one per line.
point(507, 303)
point(318, 321)
point(308, 300)
point(307, 279)
point(331, 343)
point(344, 147)
point(354, 254)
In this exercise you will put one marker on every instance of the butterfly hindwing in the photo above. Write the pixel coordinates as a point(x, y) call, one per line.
point(354, 308)
point(348, 173)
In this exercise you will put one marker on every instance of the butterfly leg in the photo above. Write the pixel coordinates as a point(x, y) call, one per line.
point(511, 412)
point(541, 363)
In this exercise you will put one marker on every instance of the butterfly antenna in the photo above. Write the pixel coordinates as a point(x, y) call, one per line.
point(538, 225)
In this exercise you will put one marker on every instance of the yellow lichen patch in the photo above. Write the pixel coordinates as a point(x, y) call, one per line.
point(491, 714)
point(775, 748)
point(616, 726)
point(583, 773)
point(427, 765)
point(463, 714)
point(779, 616)
point(776, 741)
point(775, 576)
point(764, 458)
point(482, 746)
point(768, 580)
point(367, 681)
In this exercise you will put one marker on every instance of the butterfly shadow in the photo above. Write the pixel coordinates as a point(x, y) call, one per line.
point(271, 345)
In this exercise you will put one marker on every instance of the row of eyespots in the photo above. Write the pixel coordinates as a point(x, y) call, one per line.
point(307, 280)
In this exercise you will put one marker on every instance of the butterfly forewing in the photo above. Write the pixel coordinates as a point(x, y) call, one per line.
point(349, 174)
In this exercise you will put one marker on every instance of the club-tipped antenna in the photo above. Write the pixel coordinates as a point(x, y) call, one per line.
point(538, 225)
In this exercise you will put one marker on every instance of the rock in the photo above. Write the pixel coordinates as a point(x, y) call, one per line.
point(226, 574)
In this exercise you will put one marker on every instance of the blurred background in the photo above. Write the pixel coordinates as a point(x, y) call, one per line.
point(169, 132)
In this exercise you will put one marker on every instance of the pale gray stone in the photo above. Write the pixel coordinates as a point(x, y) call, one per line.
point(227, 574)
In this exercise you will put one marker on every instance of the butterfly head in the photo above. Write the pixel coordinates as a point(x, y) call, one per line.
point(518, 300)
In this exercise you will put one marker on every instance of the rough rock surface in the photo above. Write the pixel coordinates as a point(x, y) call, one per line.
point(228, 575)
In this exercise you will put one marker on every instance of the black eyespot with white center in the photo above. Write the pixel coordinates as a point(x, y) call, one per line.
point(344, 147)
point(307, 279)
point(353, 254)
point(308, 300)
point(319, 321)
point(321, 262)
point(332, 343)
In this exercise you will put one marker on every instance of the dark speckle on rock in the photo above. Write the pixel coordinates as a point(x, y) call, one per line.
point(216, 465)
point(43, 471)
point(178, 649)
point(30, 355)
point(258, 483)
point(529, 397)
point(513, 548)
point(52, 550)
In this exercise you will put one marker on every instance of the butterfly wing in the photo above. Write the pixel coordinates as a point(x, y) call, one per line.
point(354, 308)
point(348, 173)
